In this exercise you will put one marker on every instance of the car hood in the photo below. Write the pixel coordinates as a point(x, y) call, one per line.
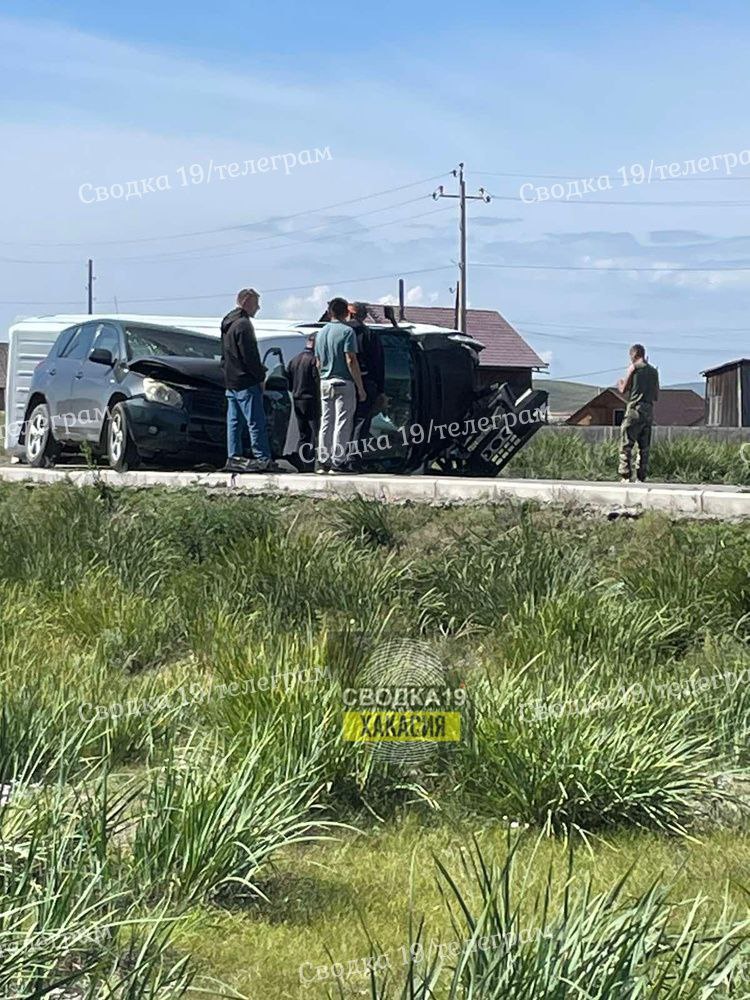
point(187, 372)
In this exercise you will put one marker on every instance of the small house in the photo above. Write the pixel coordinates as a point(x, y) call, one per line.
point(728, 394)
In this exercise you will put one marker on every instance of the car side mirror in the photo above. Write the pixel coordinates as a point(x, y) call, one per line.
point(101, 356)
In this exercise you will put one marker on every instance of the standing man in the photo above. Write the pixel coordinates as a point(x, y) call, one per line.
point(340, 386)
point(303, 373)
point(243, 381)
point(641, 384)
point(371, 365)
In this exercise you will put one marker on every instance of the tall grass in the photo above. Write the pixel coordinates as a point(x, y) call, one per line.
point(69, 923)
point(567, 455)
point(208, 822)
point(567, 942)
point(171, 675)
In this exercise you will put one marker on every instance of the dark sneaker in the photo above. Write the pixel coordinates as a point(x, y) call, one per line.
point(261, 465)
point(234, 464)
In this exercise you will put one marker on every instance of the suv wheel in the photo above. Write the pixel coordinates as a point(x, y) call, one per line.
point(41, 448)
point(121, 450)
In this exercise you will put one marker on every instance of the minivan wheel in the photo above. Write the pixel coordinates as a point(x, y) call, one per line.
point(41, 448)
point(122, 452)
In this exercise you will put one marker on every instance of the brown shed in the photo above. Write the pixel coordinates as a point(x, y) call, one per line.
point(728, 394)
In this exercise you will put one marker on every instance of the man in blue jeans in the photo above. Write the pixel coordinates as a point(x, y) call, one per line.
point(243, 379)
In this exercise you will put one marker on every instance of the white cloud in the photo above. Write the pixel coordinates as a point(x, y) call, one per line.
point(311, 306)
point(306, 306)
point(415, 296)
point(701, 280)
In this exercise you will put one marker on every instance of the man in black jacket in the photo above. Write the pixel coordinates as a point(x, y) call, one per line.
point(372, 366)
point(303, 372)
point(243, 381)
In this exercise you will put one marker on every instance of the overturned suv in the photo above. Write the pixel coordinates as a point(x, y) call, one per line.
point(437, 418)
point(137, 393)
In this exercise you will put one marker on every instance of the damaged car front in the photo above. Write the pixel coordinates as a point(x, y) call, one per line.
point(134, 392)
point(179, 415)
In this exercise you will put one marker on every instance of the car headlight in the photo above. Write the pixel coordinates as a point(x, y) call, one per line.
point(159, 392)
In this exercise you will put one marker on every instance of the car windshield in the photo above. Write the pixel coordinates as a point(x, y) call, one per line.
point(146, 341)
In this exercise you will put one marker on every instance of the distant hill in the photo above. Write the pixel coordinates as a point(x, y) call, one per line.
point(566, 397)
point(699, 387)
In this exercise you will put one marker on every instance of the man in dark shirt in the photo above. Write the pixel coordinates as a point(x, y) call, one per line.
point(372, 366)
point(303, 374)
point(641, 384)
point(243, 381)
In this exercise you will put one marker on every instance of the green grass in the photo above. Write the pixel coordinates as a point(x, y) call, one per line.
point(184, 813)
point(555, 454)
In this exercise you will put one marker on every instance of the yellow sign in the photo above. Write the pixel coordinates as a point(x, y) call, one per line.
point(402, 727)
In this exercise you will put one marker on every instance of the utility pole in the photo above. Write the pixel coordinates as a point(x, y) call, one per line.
point(90, 287)
point(462, 197)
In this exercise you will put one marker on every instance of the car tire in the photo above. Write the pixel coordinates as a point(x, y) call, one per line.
point(41, 449)
point(122, 453)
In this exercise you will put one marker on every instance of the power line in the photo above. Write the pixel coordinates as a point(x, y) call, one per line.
point(580, 267)
point(564, 378)
point(223, 295)
point(579, 326)
point(640, 332)
point(197, 253)
point(571, 177)
point(296, 288)
point(629, 204)
point(225, 229)
point(618, 343)
point(260, 239)
point(180, 296)
point(203, 255)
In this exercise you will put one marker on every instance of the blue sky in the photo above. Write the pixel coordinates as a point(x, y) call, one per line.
point(100, 94)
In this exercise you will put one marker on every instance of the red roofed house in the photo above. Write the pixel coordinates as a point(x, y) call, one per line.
point(673, 408)
point(506, 356)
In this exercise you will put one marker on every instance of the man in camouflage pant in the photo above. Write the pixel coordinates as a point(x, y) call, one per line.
point(641, 385)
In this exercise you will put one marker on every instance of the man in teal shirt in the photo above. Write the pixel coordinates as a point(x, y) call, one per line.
point(340, 387)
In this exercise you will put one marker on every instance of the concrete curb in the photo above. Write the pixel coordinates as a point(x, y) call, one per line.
point(725, 502)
